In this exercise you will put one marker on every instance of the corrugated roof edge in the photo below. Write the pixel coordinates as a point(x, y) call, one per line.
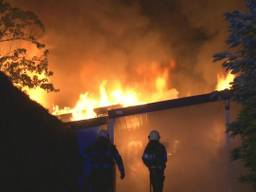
point(150, 107)
point(88, 122)
point(174, 103)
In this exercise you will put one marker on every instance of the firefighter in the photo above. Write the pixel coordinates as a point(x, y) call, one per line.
point(103, 155)
point(155, 158)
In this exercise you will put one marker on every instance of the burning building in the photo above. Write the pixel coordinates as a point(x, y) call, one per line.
point(193, 129)
point(136, 60)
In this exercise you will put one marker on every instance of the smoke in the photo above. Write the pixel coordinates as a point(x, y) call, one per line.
point(195, 30)
point(91, 41)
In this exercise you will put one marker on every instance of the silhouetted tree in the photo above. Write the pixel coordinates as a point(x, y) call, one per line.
point(240, 59)
point(19, 30)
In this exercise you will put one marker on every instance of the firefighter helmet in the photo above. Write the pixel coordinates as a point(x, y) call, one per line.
point(154, 135)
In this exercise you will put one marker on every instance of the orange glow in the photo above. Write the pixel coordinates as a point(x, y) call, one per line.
point(135, 145)
point(116, 93)
point(224, 81)
point(152, 86)
point(38, 95)
point(83, 108)
point(160, 83)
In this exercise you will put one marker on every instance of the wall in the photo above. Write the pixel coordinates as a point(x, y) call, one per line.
point(198, 149)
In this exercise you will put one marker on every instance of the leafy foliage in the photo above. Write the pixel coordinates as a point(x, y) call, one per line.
point(240, 59)
point(26, 70)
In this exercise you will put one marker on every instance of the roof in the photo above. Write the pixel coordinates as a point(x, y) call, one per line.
point(150, 107)
point(174, 103)
point(88, 122)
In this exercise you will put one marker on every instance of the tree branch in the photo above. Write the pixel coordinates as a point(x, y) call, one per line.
point(15, 39)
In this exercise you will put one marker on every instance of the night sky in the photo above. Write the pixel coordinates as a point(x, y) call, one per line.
point(108, 39)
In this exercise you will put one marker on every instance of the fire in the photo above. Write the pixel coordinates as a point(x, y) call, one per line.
point(38, 95)
point(116, 94)
point(111, 93)
point(151, 84)
point(224, 81)
point(83, 108)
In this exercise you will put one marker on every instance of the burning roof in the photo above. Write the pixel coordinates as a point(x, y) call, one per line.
point(150, 107)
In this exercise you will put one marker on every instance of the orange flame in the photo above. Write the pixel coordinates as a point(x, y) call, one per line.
point(116, 94)
point(113, 93)
point(152, 87)
point(224, 81)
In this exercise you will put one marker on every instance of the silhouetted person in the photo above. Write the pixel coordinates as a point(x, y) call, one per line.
point(155, 158)
point(103, 155)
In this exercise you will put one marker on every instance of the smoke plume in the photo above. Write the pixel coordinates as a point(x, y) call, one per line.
point(128, 40)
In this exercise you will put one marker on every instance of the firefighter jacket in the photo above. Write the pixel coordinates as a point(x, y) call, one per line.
point(155, 155)
point(103, 155)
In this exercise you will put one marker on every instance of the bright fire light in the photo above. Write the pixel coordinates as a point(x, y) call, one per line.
point(224, 81)
point(38, 95)
point(153, 88)
point(116, 93)
point(110, 95)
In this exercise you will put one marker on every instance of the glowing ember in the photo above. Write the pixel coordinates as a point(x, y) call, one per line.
point(224, 81)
